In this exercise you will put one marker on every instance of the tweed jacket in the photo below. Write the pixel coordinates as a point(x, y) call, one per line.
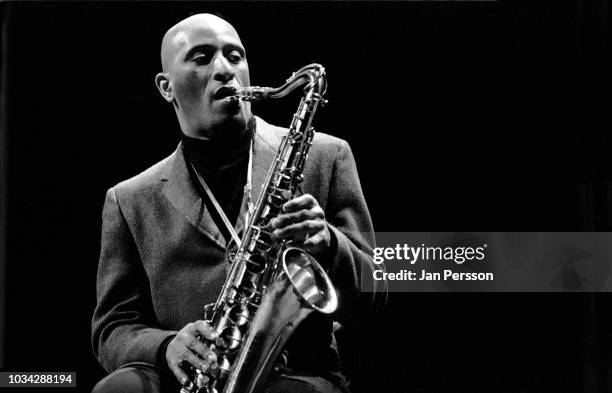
point(162, 256)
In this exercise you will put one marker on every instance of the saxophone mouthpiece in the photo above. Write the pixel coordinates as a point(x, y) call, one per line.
point(252, 93)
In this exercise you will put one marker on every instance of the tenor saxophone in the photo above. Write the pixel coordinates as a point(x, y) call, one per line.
point(271, 285)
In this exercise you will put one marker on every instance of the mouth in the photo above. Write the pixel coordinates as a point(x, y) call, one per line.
point(224, 92)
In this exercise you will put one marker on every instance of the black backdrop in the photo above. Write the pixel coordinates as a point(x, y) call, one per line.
point(463, 116)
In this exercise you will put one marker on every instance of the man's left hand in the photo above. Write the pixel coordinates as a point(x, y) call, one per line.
point(303, 221)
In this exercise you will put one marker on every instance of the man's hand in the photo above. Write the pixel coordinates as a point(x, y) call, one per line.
point(188, 348)
point(303, 221)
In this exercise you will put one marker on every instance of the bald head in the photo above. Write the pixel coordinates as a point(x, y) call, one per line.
point(179, 35)
point(202, 57)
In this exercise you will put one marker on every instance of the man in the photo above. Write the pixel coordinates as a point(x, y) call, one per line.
point(163, 240)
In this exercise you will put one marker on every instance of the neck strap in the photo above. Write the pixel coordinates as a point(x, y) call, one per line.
point(246, 197)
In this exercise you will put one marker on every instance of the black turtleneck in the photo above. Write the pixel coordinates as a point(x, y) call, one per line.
point(223, 166)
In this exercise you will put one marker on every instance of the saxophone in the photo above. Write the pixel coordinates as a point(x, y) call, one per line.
point(271, 285)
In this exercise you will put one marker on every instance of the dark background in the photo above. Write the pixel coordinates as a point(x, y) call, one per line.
point(463, 116)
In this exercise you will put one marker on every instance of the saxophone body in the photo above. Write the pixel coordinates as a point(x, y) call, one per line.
point(271, 285)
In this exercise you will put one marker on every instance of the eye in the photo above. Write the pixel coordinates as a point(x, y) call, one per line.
point(234, 57)
point(201, 58)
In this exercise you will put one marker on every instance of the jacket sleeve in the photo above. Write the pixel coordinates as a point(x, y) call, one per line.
point(349, 222)
point(124, 326)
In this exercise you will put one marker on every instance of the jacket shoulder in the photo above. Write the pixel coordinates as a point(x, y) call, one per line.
point(325, 144)
point(147, 178)
point(328, 143)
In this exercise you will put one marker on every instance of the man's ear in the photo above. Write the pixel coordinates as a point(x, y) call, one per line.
point(164, 86)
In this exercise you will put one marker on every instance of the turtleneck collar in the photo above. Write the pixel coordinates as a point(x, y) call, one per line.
point(216, 153)
point(223, 166)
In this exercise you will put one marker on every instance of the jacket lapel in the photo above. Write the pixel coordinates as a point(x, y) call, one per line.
point(181, 193)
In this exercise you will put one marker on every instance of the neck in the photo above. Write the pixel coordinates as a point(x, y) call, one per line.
point(219, 149)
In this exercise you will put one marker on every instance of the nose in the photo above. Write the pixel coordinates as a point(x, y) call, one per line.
point(223, 70)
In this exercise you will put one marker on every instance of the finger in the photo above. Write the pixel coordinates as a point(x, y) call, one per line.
point(305, 201)
point(197, 346)
point(208, 361)
point(195, 361)
point(291, 218)
point(299, 230)
point(180, 375)
point(186, 336)
point(189, 337)
point(211, 358)
point(313, 242)
point(203, 329)
point(214, 365)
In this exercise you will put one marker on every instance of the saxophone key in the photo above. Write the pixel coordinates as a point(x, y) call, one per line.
point(276, 200)
point(225, 367)
point(256, 263)
point(231, 338)
point(264, 243)
point(239, 314)
point(247, 289)
point(201, 379)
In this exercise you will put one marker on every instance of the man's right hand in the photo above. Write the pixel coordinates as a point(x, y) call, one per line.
point(187, 347)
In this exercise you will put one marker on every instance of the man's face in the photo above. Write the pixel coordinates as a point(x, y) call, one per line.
point(208, 60)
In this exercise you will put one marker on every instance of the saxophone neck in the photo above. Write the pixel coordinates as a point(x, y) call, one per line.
point(312, 76)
